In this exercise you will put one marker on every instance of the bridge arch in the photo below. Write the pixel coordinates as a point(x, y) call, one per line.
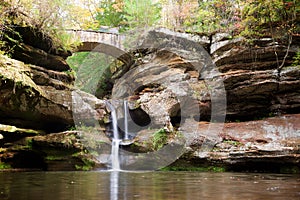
point(102, 42)
point(107, 49)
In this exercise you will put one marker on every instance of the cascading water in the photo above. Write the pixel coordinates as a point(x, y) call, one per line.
point(126, 140)
point(115, 163)
point(116, 141)
point(126, 137)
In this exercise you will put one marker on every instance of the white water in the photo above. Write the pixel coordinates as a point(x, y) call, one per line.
point(116, 141)
point(115, 162)
point(126, 137)
point(114, 123)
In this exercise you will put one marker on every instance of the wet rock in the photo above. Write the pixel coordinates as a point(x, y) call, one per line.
point(73, 150)
point(63, 151)
point(22, 159)
point(11, 134)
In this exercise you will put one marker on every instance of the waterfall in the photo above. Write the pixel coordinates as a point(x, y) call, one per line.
point(115, 163)
point(126, 137)
point(115, 124)
point(116, 141)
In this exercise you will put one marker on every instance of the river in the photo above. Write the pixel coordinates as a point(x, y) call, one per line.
point(146, 185)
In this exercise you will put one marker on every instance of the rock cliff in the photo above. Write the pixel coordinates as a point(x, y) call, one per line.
point(236, 104)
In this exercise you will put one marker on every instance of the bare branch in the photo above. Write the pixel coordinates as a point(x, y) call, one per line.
point(287, 52)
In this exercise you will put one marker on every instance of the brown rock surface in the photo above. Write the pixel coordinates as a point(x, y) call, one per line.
point(260, 144)
point(35, 98)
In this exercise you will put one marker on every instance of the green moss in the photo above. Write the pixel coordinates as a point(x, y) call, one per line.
point(87, 165)
point(54, 158)
point(4, 166)
point(290, 170)
point(198, 169)
point(233, 142)
point(87, 162)
point(159, 139)
point(296, 59)
point(83, 168)
point(29, 143)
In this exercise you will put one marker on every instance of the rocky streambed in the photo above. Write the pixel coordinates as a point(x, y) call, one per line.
point(226, 103)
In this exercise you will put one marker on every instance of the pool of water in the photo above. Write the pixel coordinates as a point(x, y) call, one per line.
point(146, 185)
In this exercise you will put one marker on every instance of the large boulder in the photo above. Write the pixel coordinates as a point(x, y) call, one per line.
point(174, 78)
point(36, 98)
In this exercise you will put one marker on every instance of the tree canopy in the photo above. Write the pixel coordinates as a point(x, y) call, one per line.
point(250, 18)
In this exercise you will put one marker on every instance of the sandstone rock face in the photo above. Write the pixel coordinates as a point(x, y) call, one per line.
point(255, 85)
point(31, 55)
point(35, 47)
point(257, 78)
point(36, 98)
point(174, 79)
point(271, 144)
point(176, 86)
point(45, 102)
point(25, 103)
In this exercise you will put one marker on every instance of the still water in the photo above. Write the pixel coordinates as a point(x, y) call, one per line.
point(146, 185)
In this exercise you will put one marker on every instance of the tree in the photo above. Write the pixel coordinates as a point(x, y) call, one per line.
point(111, 14)
point(128, 14)
point(216, 15)
point(141, 13)
point(178, 14)
point(270, 17)
point(48, 17)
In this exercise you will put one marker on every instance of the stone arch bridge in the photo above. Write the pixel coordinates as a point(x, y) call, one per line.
point(104, 42)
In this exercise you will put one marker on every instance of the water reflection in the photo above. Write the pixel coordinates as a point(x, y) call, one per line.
point(117, 185)
point(114, 185)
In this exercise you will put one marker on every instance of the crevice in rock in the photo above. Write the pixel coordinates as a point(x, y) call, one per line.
point(140, 117)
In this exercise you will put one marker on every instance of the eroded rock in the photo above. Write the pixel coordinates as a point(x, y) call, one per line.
point(33, 46)
point(42, 103)
point(273, 141)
